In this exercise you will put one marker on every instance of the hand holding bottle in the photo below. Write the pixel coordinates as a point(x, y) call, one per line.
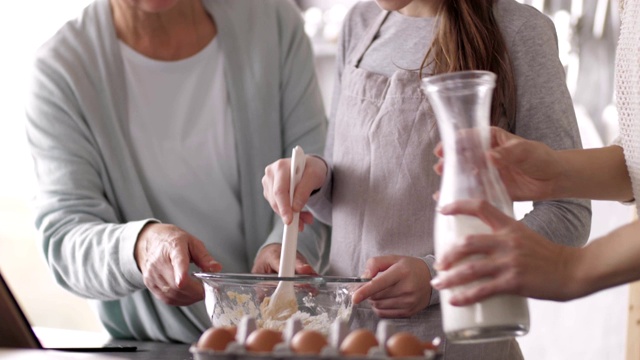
point(530, 170)
point(516, 260)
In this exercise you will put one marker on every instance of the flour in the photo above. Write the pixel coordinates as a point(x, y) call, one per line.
point(231, 312)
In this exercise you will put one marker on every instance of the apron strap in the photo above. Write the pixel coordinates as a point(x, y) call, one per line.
point(367, 39)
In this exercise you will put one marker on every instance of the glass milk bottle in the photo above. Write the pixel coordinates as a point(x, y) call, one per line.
point(461, 102)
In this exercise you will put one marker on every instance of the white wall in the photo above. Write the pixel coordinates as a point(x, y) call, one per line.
point(591, 328)
point(24, 25)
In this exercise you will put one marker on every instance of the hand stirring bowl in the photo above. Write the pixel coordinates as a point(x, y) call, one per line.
point(282, 304)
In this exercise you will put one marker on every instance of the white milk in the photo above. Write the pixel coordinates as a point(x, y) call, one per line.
point(496, 318)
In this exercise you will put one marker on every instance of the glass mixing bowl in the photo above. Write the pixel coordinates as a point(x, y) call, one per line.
point(320, 299)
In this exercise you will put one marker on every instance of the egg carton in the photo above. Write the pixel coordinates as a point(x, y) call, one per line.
point(338, 331)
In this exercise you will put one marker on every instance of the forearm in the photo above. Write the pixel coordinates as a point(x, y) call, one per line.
point(609, 261)
point(564, 221)
point(320, 203)
point(599, 174)
point(435, 294)
point(92, 259)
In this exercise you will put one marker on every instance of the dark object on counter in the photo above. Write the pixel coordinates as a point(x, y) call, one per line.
point(16, 332)
point(108, 348)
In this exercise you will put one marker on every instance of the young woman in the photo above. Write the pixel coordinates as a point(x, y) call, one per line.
point(375, 183)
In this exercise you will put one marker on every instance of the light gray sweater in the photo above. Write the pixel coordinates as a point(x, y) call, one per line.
point(404, 223)
point(544, 107)
point(91, 204)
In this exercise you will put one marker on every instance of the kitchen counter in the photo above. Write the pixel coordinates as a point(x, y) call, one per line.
point(145, 351)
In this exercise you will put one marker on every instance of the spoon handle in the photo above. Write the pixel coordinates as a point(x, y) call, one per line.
point(290, 236)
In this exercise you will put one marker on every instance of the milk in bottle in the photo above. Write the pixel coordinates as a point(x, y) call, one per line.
point(461, 102)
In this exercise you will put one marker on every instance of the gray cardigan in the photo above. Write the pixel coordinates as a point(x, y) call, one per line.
point(91, 204)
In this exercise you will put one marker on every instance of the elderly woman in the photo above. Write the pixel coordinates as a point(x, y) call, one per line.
point(150, 124)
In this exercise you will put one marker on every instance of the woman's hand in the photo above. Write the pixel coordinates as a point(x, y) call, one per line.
point(399, 286)
point(529, 169)
point(275, 184)
point(514, 260)
point(268, 262)
point(163, 253)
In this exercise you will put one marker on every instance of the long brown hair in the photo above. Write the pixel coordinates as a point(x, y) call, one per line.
point(468, 38)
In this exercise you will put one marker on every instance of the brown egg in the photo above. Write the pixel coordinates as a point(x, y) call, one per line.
point(215, 339)
point(263, 340)
point(233, 330)
point(429, 346)
point(358, 342)
point(308, 342)
point(404, 344)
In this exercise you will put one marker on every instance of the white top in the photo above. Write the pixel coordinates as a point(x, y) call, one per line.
point(628, 90)
point(175, 144)
point(386, 54)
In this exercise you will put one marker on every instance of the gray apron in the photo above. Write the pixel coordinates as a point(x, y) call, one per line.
point(384, 135)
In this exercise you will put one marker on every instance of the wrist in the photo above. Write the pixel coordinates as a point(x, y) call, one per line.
point(322, 170)
point(580, 278)
point(140, 247)
point(564, 184)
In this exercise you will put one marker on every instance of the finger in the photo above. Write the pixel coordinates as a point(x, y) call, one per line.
point(436, 195)
point(393, 313)
point(399, 295)
point(376, 265)
point(439, 167)
point(267, 190)
point(507, 149)
point(479, 292)
point(391, 303)
point(306, 218)
point(192, 291)
point(180, 258)
point(261, 267)
point(273, 263)
point(305, 269)
point(439, 150)
point(481, 209)
point(377, 284)
point(302, 266)
point(281, 181)
point(268, 259)
point(302, 192)
point(162, 294)
point(478, 244)
point(313, 177)
point(474, 270)
point(500, 137)
point(165, 259)
point(510, 153)
point(201, 257)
